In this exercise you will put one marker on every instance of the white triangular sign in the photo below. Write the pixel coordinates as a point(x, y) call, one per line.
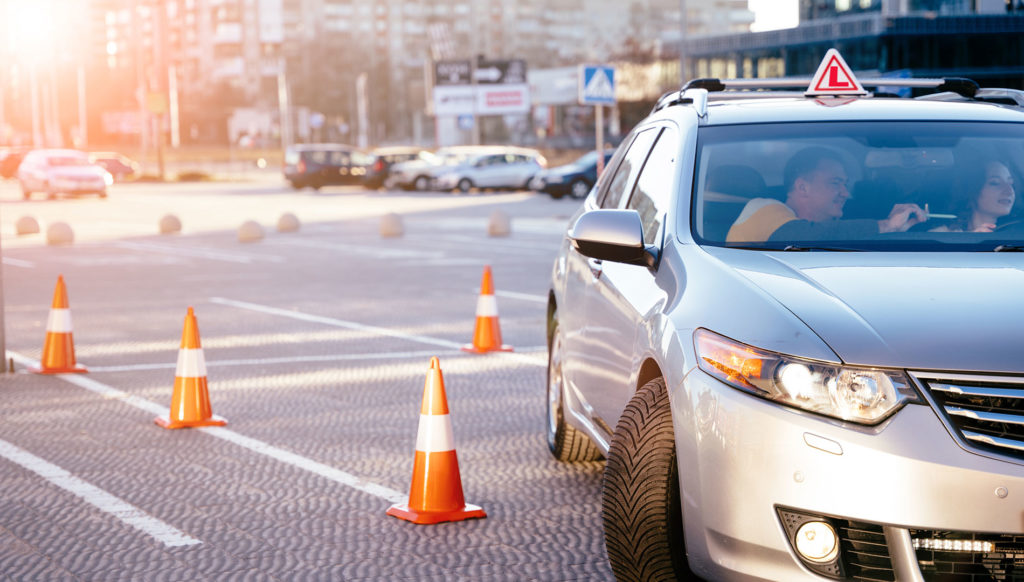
point(834, 77)
point(599, 87)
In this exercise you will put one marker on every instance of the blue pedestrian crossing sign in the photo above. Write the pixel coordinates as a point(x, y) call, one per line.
point(597, 85)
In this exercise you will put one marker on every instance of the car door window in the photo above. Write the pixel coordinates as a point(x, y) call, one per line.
point(654, 187)
point(628, 170)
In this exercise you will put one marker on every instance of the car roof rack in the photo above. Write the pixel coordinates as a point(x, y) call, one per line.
point(699, 91)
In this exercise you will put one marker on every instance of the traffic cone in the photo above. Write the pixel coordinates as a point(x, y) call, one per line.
point(59, 346)
point(190, 403)
point(487, 334)
point(436, 492)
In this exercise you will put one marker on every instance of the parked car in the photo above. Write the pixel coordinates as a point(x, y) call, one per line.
point(575, 179)
point(379, 174)
point(120, 167)
point(842, 400)
point(505, 168)
point(60, 171)
point(10, 158)
point(419, 174)
point(325, 164)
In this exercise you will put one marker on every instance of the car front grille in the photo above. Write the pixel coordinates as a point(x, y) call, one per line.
point(986, 411)
point(945, 556)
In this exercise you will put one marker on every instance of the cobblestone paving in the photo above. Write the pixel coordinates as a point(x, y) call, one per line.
point(323, 384)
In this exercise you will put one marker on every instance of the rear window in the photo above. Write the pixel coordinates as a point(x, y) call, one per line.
point(860, 186)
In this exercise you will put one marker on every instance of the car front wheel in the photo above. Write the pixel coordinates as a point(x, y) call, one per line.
point(641, 509)
point(464, 185)
point(564, 440)
point(421, 183)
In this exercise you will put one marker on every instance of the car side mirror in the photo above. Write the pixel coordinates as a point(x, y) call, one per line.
point(613, 235)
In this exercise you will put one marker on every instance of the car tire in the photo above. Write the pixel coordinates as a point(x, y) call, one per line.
point(421, 183)
point(579, 189)
point(103, 194)
point(464, 185)
point(641, 507)
point(565, 441)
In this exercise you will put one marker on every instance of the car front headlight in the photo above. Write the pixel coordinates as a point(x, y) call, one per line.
point(862, 395)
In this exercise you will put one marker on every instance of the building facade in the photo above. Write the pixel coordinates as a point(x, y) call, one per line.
point(978, 39)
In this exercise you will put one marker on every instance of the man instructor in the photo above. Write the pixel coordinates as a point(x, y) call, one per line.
point(816, 190)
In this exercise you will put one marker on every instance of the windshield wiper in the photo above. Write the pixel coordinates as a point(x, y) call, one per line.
point(1008, 249)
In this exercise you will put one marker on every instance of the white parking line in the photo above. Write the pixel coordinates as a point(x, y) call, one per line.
point(334, 322)
point(523, 296)
point(105, 502)
point(523, 358)
point(256, 446)
point(199, 253)
point(19, 263)
point(292, 360)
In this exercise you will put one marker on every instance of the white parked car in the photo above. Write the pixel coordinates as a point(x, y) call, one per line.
point(58, 171)
point(506, 168)
point(419, 174)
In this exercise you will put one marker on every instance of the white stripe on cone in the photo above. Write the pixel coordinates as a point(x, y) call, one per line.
point(487, 306)
point(191, 363)
point(59, 321)
point(435, 434)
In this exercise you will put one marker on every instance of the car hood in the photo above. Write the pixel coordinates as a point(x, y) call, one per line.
point(948, 311)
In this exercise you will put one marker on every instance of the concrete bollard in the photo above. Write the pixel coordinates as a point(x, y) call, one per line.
point(499, 225)
point(27, 225)
point(59, 233)
point(250, 231)
point(287, 223)
point(391, 225)
point(170, 224)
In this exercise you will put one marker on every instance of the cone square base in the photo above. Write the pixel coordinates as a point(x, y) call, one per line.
point(78, 369)
point(475, 350)
point(403, 511)
point(172, 424)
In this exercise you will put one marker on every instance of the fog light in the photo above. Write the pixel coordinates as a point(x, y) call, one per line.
point(817, 542)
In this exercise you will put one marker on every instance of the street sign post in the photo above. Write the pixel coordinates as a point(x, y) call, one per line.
point(597, 88)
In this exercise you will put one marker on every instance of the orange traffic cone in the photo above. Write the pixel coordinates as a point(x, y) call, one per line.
point(59, 347)
point(190, 403)
point(487, 334)
point(436, 492)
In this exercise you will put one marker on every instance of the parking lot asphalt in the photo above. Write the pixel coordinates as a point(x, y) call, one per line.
point(317, 344)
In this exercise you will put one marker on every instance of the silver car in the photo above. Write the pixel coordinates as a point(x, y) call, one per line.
point(839, 397)
point(61, 171)
point(507, 168)
point(419, 174)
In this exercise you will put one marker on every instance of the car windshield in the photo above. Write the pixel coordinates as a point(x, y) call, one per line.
point(868, 186)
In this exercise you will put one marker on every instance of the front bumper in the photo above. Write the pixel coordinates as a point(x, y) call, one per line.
point(741, 458)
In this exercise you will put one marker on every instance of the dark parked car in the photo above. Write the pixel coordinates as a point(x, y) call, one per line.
point(574, 179)
point(325, 164)
point(383, 159)
point(120, 167)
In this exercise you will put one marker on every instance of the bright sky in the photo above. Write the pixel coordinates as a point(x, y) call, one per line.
point(774, 14)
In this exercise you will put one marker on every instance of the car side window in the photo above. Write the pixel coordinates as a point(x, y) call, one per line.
point(653, 190)
point(629, 168)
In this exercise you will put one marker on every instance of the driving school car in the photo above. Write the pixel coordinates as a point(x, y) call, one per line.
point(838, 406)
